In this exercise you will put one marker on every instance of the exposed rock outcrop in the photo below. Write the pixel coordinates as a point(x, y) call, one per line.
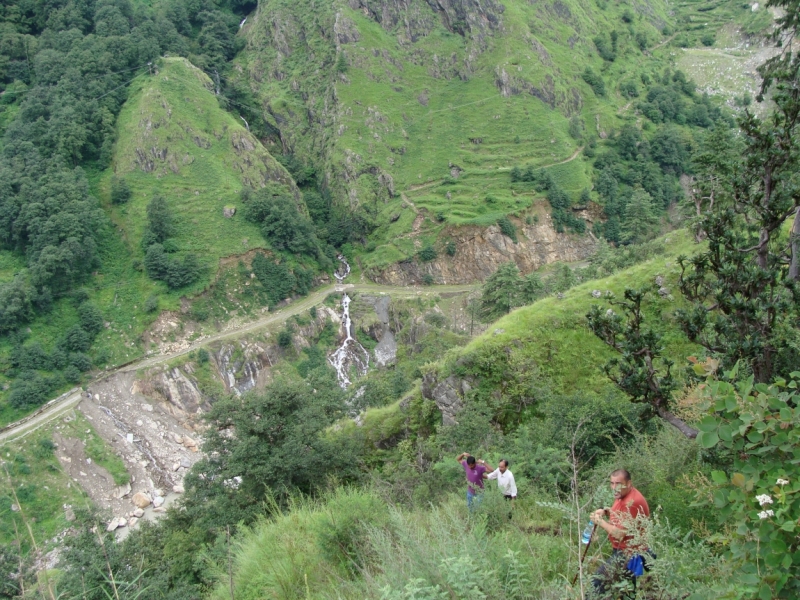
point(447, 394)
point(386, 350)
point(481, 250)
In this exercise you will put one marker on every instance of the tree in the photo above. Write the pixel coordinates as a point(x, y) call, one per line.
point(639, 219)
point(640, 371)
point(277, 279)
point(670, 150)
point(268, 443)
point(531, 288)
point(713, 165)
point(500, 292)
point(743, 290)
point(160, 222)
point(282, 224)
point(16, 303)
point(120, 192)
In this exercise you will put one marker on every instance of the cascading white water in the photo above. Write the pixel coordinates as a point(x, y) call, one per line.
point(350, 353)
point(346, 264)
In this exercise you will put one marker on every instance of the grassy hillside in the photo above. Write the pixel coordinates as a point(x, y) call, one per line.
point(410, 535)
point(404, 108)
point(174, 140)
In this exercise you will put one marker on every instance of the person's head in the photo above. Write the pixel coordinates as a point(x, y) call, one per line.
point(621, 483)
point(503, 465)
point(471, 462)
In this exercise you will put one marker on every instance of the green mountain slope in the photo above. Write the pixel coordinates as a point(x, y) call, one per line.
point(175, 140)
point(390, 98)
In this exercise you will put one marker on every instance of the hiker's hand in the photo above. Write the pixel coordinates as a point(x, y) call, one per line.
point(598, 515)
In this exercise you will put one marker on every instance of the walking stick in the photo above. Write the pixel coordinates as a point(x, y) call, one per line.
point(585, 552)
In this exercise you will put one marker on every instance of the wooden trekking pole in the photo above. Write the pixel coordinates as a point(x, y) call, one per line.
point(585, 552)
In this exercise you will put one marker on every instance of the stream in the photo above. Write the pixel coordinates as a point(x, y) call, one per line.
point(350, 354)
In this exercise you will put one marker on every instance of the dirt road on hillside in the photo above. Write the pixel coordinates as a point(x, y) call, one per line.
point(72, 398)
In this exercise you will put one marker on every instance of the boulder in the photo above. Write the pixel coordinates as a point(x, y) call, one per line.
point(228, 211)
point(113, 524)
point(133, 521)
point(141, 500)
point(138, 513)
point(158, 501)
point(178, 489)
point(122, 491)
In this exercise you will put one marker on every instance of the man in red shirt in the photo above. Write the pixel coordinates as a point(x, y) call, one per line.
point(628, 508)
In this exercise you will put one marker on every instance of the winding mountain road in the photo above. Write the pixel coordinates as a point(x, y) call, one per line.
point(70, 399)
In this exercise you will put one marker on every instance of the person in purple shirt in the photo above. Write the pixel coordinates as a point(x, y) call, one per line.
point(476, 473)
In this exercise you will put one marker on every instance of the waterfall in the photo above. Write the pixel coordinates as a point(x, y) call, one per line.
point(350, 353)
point(346, 264)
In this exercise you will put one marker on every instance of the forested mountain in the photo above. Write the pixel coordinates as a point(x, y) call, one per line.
point(182, 182)
point(406, 131)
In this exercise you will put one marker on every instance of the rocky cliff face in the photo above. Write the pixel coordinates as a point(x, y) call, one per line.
point(448, 395)
point(480, 251)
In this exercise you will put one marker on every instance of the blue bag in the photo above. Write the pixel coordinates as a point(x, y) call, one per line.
point(636, 565)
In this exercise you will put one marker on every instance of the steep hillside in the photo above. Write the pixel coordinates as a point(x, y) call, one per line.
point(417, 111)
point(176, 141)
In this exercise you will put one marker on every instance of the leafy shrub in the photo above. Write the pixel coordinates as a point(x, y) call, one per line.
point(175, 273)
point(428, 279)
point(507, 228)
point(450, 248)
point(151, 304)
point(285, 338)
point(120, 192)
point(629, 89)
point(313, 312)
point(756, 425)
point(202, 356)
point(427, 254)
point(595, 81)
point(708, 38)
point(277, 279)
point(72, 374)
point(91, 319)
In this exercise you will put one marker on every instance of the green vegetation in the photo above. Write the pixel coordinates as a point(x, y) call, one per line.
point(390, 131)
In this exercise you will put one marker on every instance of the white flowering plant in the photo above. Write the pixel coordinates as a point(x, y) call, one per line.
point(758, 426)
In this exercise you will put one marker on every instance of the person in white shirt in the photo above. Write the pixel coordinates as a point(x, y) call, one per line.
point(505, 480)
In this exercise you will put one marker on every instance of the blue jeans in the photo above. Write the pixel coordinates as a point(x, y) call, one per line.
point(476, 496)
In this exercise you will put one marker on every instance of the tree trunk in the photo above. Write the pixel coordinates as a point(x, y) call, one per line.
point(679, 424)
point(794, 244)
